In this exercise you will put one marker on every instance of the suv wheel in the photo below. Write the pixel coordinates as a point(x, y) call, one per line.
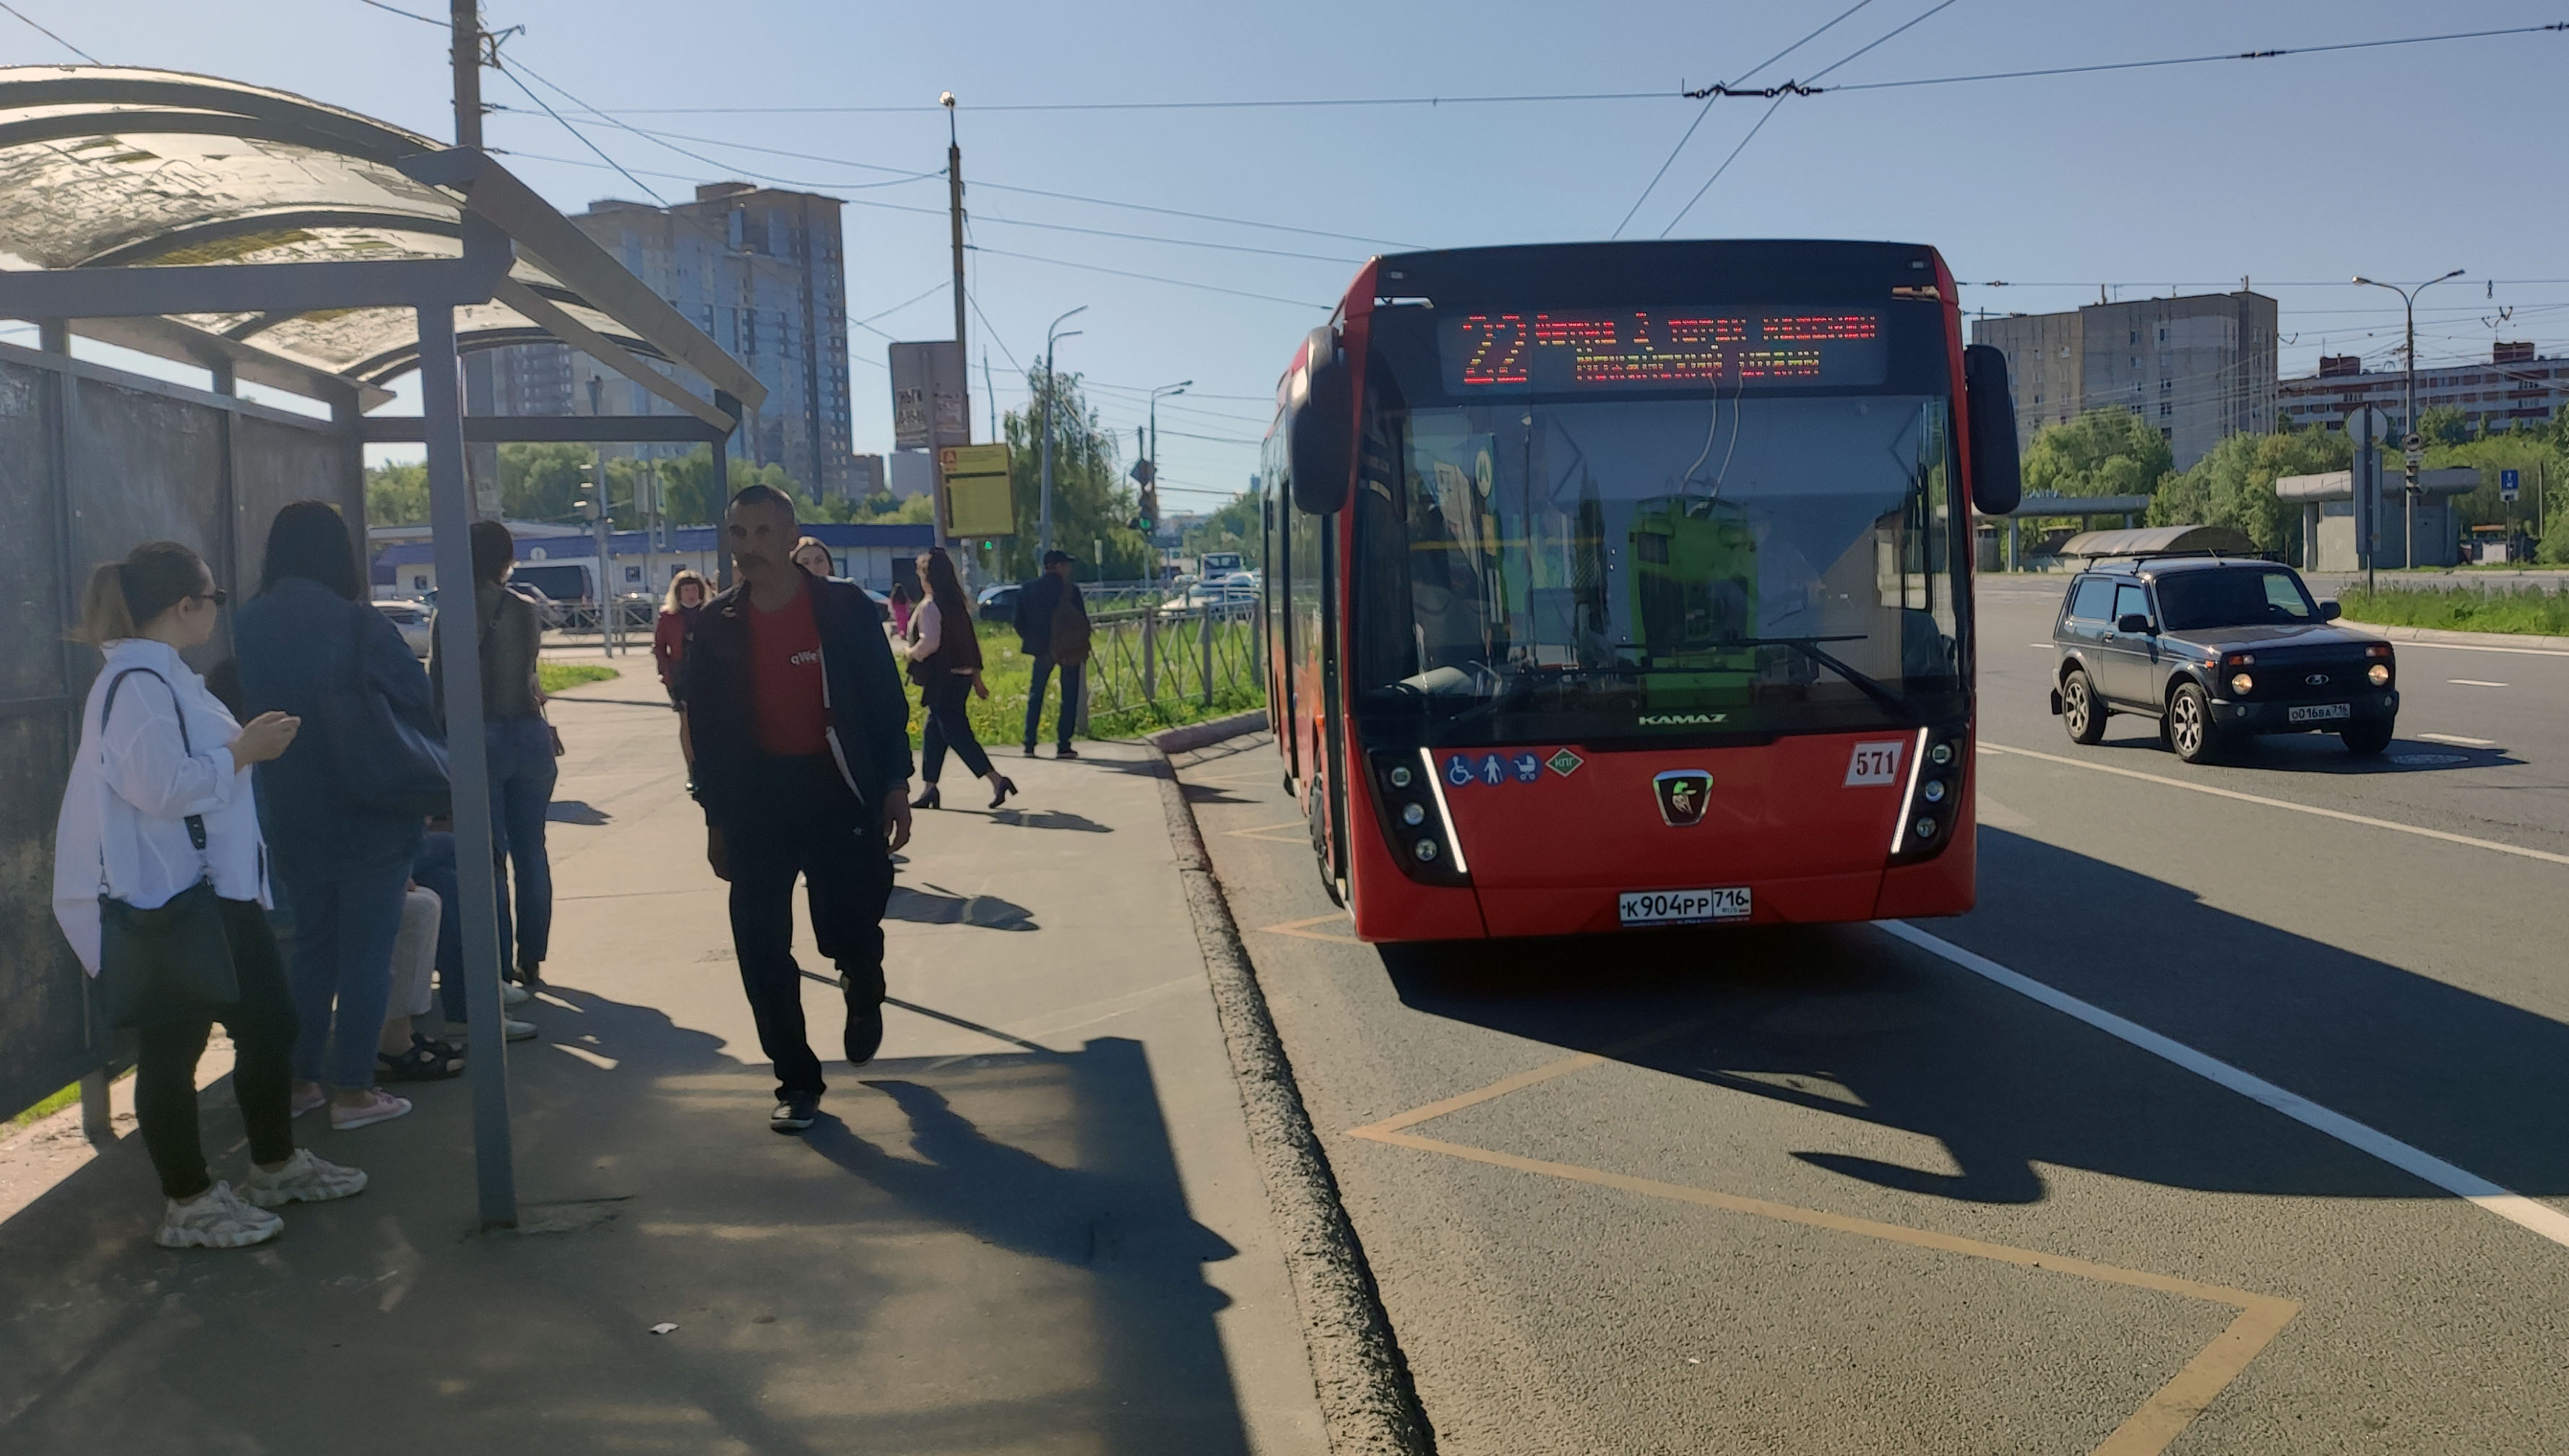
point(2189, 725)
point(2368, 739)
point(2081, 713)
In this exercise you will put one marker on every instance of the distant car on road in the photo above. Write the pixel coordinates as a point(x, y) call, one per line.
point(2217, 649)
point(1229, 592)
point(412, 618)
point(998, 603)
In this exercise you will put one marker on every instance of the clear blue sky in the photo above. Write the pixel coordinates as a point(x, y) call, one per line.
point(2398, 163)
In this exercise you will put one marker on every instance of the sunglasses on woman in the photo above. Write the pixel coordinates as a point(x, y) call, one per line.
point(218, 597)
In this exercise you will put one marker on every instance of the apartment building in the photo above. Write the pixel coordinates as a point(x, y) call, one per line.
point(2200, 367)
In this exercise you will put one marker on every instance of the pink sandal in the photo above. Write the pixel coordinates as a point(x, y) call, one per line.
point(379, 1106)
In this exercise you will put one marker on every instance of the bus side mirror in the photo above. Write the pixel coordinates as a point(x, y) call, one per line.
point(1997, 482)
point(1320, 438)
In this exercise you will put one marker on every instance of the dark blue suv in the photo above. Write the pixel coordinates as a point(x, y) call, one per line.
point(2216, 648)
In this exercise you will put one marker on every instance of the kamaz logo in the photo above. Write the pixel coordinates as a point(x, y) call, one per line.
point(1679, 720)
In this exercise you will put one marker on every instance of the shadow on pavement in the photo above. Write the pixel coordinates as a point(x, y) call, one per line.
point(1051, 819)
point(2321, 753)
point(573, 810)
point(937, 905)
point(994, 1256)
point(1795, 1014)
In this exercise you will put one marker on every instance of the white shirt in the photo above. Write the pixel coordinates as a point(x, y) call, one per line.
point(929, 624)
point(122, 829)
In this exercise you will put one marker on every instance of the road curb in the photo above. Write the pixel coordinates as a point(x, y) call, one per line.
point(1367, 1403)
point(1191, 736)
point(2516, 642)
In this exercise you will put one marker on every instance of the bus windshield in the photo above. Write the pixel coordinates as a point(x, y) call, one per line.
point(1735, 561)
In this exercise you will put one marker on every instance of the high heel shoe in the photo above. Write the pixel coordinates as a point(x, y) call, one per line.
point(1007, 786)
point(928, 800)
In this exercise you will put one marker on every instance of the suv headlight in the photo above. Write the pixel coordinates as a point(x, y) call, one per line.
point(2379, 674)
point(2240, 683)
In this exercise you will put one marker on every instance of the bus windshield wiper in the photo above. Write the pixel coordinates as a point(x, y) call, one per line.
point(1522, 682)
point(1809, 647)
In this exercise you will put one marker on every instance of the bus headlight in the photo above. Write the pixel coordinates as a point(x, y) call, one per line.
point(2379, 674)
point(1925, 827)
point(2241, 684)
point(1425, 849)
point(1401, 778)
point(1413, 815)
point(1933, 791)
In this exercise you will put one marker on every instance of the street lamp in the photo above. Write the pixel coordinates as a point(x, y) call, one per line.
point(1052, 336)
point(2409, 421)
point(1151, 493)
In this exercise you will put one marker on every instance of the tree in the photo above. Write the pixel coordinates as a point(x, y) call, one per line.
point(1091, 501)
point(692, 497)
point(2233, 485)
point(1233, 527)
point(2443, 425)
point(2107, 451)
point(397, 495)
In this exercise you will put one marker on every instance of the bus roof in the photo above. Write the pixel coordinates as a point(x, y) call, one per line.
point(1643, 273)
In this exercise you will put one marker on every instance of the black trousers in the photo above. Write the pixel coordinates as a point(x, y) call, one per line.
point(262, 1028)
point(807, 822)
point(948, 728)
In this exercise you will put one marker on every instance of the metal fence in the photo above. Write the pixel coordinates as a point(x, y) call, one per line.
point(94, 461)
point(1153, 664)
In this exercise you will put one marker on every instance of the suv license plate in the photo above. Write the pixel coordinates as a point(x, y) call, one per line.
point(2319, 713)
point(1682, 906)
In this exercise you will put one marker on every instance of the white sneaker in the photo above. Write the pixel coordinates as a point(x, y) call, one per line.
point(215, 1218)
point(379, 1106)
point(514, 994)
point(514, 1029)
point(304, 1178)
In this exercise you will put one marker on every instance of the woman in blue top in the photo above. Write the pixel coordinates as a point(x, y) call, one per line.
point(304, 641)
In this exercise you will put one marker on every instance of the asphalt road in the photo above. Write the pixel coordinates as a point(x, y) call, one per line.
point(1830, 1191)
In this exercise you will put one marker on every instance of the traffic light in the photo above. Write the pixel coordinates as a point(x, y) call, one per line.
point(1148, 521)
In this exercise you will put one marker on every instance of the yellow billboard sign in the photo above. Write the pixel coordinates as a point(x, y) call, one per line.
point(980, 503)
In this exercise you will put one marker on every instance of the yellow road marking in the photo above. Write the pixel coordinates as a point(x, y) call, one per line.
point(2368, 821)
point(1302, 929)
point(2146, 1432)
point(1266, 832)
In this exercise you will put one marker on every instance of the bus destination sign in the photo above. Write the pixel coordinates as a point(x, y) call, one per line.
point(1564, 350)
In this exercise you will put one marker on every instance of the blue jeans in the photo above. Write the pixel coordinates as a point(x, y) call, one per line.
point(435, 870)
point(521, 787)
point(344, 928)
point(1072, 675)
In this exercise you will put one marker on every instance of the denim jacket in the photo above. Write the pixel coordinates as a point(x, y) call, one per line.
point(293, 642)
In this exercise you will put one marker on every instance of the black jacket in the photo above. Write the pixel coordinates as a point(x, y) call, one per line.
point(1037, 601)
point(869, 711)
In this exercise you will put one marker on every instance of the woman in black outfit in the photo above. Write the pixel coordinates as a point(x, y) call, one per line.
point(945, 661)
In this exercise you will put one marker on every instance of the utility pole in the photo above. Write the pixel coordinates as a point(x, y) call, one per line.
point(464, 17)
point(1053, 337)
point(954, 211)
point(2412, 439)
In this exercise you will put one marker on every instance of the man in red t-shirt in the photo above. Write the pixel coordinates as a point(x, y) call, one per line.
point(801, 729)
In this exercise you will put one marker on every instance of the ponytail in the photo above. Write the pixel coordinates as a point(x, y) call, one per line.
point(125, 597)
point(103, 617)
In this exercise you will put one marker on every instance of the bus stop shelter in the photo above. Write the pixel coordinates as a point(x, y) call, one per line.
point(2082, 508)
point(265, 237)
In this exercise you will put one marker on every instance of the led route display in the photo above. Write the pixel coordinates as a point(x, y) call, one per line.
point(1672, 348)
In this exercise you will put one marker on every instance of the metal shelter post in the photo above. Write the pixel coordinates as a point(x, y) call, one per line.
point(451, 516)
point(720, 490)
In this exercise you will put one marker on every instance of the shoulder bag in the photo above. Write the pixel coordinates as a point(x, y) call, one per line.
point(173, 962)
point(386, 765)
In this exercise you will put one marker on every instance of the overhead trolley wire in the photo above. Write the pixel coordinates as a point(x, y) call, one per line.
point(49, 35)
point(408, 14)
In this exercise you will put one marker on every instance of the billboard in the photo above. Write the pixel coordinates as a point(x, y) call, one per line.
point(979, 501)
point(931, 402)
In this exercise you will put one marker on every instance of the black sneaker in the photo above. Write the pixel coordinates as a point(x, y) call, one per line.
point(1065, 751)
point(1031, 750)
point(865, 1032)
point(794, 1114)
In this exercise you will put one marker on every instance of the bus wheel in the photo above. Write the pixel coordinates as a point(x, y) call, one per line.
point(1318, 814)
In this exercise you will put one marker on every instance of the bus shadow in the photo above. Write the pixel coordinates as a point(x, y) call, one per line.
point(1849, 1022)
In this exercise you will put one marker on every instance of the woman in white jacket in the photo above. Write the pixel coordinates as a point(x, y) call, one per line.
point(123, 833)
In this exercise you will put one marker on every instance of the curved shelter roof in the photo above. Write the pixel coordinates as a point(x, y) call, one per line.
point(115, 168)
point(2150, 541)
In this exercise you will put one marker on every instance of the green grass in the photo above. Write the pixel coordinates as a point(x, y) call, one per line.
point(554, 676)
point(999, 720)
point(2528, 610)
point(48, 1107)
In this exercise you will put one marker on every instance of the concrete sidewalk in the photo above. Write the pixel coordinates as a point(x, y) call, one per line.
point(1034, 1224)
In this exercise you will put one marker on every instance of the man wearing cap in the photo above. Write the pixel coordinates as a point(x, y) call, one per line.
point(1038, 603)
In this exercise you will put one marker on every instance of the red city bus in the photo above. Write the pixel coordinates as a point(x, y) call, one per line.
point(1616, 585)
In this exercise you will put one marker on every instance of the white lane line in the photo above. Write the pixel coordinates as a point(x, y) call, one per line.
point(2040, 646)
point(2515, 1208)
point(2457, 738)
point(2472, 683)
point(2366, 820)
point(2478, 647)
